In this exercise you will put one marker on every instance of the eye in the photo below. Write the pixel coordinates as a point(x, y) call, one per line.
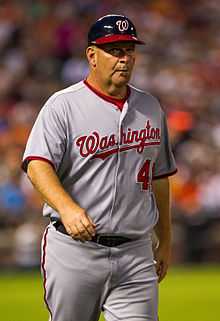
point(119, 52)
point(115, 52)
point(130, 51)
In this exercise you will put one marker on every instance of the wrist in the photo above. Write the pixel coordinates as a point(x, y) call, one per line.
point(68, 206)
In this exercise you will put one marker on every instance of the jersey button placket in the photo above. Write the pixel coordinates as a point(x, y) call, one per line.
point(118, 162)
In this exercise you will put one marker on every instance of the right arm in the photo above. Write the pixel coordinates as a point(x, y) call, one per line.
point(75, 219)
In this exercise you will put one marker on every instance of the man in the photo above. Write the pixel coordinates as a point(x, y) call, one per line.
point(92, 154)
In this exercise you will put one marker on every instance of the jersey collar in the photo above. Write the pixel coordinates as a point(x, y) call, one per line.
point(115, 101)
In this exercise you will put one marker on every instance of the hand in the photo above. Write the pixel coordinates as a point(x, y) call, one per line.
point(162, 257)
point(77, 223)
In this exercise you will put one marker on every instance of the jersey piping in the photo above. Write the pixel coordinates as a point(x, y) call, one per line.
point(117, 102)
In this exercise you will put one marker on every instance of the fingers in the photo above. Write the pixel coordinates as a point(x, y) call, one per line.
point(91, 222)
point(80, 227)
point(73, 232)
point(161, 270)
point(88, 225)
point(83, 234)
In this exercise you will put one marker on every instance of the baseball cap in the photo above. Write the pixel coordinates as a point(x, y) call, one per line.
point(113, 28)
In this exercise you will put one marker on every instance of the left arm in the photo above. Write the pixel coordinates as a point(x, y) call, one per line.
point(161, 189)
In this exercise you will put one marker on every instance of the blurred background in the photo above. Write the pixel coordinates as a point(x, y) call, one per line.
point(42, 45)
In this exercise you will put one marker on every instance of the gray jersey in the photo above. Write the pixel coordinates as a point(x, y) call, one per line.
point(105, 159)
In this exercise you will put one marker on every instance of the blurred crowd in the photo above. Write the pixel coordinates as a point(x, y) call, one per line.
point(42, 45)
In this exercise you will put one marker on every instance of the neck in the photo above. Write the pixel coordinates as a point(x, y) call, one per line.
point(108, 89)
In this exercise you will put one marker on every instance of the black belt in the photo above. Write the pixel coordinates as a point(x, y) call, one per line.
point(106, 240)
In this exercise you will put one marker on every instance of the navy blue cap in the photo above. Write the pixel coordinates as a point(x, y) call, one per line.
point(113, 28)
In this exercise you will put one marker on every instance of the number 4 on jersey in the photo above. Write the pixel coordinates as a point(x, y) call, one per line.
point(143, 175)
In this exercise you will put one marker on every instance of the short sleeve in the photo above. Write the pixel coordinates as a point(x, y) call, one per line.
point(47, 140)
point(165, 163)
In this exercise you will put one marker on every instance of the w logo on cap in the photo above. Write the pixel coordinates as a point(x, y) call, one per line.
point(122, 25)
point(113, 28)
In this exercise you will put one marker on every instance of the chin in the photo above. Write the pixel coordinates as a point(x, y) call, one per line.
point(122, 81)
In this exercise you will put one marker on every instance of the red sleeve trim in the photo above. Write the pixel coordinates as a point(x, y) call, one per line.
point(27, 160)
point(165, 175)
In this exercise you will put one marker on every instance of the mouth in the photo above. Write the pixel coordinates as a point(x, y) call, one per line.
point(122, 70)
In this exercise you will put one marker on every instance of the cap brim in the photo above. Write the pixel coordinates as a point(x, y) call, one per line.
point(117, 38)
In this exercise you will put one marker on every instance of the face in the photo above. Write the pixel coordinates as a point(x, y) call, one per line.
point(114, 62)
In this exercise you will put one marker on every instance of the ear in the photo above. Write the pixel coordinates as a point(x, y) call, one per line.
point(91, 55)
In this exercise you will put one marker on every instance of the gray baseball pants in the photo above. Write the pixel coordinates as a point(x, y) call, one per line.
point(83, 279)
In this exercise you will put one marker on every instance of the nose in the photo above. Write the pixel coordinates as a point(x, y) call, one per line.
point(125, 55)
